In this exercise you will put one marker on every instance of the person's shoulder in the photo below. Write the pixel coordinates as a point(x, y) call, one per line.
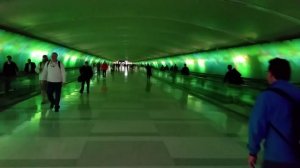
point(295, 91)
point(61, 63)
point(266, 94)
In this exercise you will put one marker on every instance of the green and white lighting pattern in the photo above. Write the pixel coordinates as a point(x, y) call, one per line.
point(251, 61)
point(22, 48)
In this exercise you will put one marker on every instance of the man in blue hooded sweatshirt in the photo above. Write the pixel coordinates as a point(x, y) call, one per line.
point(272, 108)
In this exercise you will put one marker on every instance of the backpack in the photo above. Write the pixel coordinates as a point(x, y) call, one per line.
point(49, 63)
point(295, 142)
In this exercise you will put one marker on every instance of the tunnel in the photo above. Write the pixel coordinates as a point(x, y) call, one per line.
point(168, 119)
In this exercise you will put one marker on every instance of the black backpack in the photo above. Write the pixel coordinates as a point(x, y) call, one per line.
point(295, 142)
point(49, 63)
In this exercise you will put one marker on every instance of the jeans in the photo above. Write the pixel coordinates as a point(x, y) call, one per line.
point(104, 73)
point(54, 88)
point(8, 81)
point(87, 81)
point(43, 85)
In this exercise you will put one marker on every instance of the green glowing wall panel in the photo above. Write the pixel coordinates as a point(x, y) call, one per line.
point(251, 61)
point(21, 48)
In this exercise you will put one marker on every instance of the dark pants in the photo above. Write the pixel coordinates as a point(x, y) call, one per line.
point(54, 88)
point(149, 76)
point(87, 81)
point(8, 81)
point(271, 164)
point(104, 73)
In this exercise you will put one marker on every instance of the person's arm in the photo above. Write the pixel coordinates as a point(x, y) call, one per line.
point(34, 67)
point(91, 72)
point(63, 73)
point(45, 72)
point(39, 69)
point(16, 66)
point(80, 70)
point(4, 68)
point(258, 125)
point(226, 77)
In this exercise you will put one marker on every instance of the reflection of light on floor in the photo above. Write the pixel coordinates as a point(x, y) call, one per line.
point(126, 72)
point(216, 117)
point(36, 117)
point(74, 93)
point(194, 105)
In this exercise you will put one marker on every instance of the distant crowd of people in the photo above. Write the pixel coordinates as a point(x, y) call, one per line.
point(184, 71)
point(174, 69)
point(233, 76)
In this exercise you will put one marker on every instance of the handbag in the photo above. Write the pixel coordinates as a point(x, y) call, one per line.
point(80, 79)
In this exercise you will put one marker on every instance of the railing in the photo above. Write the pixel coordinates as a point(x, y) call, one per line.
point(24, 86)
point(213, 88)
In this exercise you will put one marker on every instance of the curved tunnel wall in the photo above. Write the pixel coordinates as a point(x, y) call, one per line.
point(21, 48)
point(251, 61)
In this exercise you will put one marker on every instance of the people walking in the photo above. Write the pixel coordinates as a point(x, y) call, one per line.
point(10, 70)
point(86, 73)
point(185, 70)
point(148, 71)
point(54, 73)
point(43, 83)
point(30, 67)
point(104, 68)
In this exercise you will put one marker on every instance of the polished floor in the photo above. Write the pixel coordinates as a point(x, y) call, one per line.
point(124, 122)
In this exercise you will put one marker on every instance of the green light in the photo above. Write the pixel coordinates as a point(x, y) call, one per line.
point(21, 48)
point(190, 62)
point(251, 61)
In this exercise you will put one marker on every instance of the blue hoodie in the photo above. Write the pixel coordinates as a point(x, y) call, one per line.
point(272, 108)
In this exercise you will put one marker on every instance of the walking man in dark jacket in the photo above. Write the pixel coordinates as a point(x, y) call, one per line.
point(30, 67)
point(185, 70)
point(10, 70)
point(86, 73)
point(149, 72)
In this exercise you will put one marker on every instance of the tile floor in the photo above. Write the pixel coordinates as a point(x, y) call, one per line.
point(124, 122)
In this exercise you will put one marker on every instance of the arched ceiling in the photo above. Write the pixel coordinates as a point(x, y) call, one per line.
point(144, 29)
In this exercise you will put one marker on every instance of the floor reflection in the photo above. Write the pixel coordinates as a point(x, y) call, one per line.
point(148, 86)
point(104, 88)
point(84, 107)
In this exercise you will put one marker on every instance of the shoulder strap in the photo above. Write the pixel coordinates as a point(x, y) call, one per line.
point(290, 99)
point(57, 62)
point(283, 94)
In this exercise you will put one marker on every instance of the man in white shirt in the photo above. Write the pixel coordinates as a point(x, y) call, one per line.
point(55, 75)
